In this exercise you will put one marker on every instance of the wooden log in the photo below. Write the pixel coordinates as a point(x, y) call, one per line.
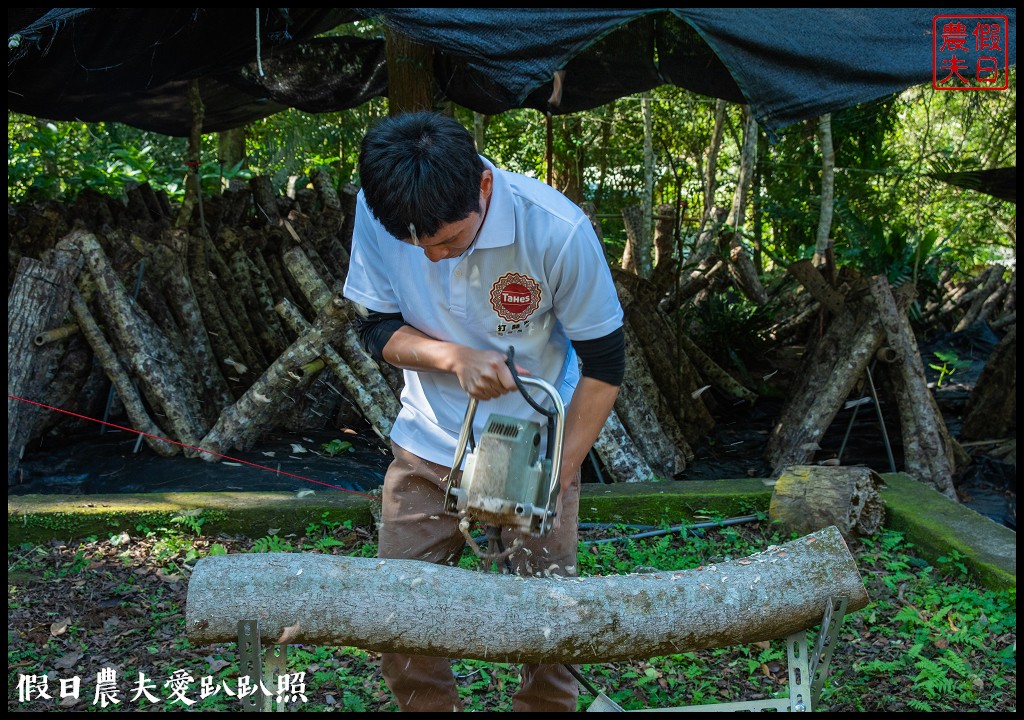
point(806, 498)
point(265, 198)
point(991, 410)
point(671, 371)
point(618, 453)
point(811, 279)
point(714, 373)
point(257, 410)
point(826, 379)
point(133, 405)
point(188, 316)
point(161, 375)
point(37, 302)
point(929, 452)
point(365, 367)
point(409, 606)
point(371, 411)
point(224, 345)
point(231, 293)
point(668, 451)
point(990, 292)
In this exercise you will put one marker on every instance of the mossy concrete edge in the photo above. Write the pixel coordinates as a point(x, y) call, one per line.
point(933, 523)
point(936, 526)
point(39, 518)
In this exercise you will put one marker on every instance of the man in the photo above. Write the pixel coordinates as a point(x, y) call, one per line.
point(453, 261)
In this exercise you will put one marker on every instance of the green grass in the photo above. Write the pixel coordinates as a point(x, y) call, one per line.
point(930, 639)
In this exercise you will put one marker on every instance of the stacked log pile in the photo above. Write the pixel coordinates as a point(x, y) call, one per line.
point(220, 320)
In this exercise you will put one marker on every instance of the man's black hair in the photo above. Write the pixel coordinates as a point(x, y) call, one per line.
point(422, 169)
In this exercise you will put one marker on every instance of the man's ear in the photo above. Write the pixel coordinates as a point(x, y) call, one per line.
point(487, 183)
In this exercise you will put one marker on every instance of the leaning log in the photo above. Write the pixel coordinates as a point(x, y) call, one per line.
point(241, 424)
point(929, 452)
point(619, 454)
point(410, 606)
point(147, 354)
point(37, 302)
point(991, 410)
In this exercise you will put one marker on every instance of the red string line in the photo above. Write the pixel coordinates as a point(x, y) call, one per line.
point(190, 447)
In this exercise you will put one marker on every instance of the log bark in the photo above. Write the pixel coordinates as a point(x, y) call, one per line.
point(991, 410)
point(807, 498)
point(163, 378)
point(118, 377)
point(410, 606)
point(929, 452)
point(354, 389)
point(825, 381)
point(37, 302)
point(619, 455)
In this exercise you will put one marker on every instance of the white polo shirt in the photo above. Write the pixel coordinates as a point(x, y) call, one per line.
point(535, 278)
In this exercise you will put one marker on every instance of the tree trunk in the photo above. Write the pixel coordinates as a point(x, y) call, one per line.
point(710, 176)
point(410, 74)
point(633, 218)
point(828, 182)
point(393, 605)
point(741, 265)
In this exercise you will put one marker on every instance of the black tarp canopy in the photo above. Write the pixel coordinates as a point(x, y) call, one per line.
point(134, 65)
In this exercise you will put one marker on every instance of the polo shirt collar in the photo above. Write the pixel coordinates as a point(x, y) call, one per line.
point(499, 224)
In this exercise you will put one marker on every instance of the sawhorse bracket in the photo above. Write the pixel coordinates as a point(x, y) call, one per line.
point(807, 672)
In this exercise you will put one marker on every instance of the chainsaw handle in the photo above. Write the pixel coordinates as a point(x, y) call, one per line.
point(558, 418)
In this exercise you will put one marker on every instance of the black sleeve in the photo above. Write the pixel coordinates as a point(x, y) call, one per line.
point(604, 358)
point(375, 329)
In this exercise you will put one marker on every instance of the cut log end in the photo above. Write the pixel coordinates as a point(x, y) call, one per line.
point(810, 497)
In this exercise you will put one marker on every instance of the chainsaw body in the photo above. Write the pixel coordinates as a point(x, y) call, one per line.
point(505, 482)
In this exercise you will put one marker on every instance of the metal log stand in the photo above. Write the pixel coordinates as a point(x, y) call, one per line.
point(808, 670)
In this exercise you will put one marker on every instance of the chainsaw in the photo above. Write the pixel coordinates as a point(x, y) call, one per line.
point(505, 482)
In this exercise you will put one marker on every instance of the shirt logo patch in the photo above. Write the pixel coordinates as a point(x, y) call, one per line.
point(515, 297)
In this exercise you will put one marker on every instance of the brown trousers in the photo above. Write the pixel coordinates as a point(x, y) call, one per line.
point(415, 526)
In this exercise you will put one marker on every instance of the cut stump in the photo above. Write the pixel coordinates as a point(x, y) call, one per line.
point(807, 498)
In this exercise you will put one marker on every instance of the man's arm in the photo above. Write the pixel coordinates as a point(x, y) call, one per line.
point(483, 374)
point(588, 410)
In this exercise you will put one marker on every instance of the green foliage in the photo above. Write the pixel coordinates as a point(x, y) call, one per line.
point(270, 544)
point(191, 520)
point(951, 362)
point(337, 446)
